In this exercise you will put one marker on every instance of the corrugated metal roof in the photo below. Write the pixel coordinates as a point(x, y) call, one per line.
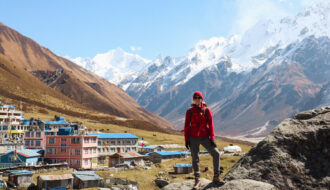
point(20, 172)
point(56, 177)
point(25, 152)
point(55, 123)
point(129, 154)
point(149, 147)
point(168, 153)
point(87, 175)
point(114, 135)
point(182, 165)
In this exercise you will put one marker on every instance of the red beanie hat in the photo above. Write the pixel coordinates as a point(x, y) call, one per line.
point(198, 93)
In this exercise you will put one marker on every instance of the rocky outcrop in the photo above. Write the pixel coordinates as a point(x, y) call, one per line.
point(239, 184)
point(295, 155)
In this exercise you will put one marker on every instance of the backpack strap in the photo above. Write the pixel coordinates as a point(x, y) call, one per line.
point(190, 112)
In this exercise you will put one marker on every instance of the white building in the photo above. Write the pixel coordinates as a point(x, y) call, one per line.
point(11, 127)
point(232, 149)
point(111, 143)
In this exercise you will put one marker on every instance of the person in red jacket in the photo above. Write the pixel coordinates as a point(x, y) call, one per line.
point(199, 130)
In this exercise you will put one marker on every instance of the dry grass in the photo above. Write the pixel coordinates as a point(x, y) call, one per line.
point(145, 177)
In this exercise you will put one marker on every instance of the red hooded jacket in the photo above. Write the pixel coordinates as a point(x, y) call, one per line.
point(198, 127)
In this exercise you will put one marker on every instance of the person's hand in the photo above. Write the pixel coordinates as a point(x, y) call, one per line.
point(213, 143)
point(188, 145)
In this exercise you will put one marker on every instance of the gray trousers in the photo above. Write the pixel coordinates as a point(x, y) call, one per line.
point(194, 149)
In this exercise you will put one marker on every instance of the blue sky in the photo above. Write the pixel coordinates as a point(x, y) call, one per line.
point(85, 28)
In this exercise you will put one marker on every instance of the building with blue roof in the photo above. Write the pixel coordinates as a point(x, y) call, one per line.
point(146, 149)
point(20, 178)
point(182, 168)
point(115, 135)
point(111, 143)
point(19, 157)
point(157, 157)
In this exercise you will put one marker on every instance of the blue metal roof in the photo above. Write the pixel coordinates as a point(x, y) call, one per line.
point(55, 123)
point(182, 165)
point(20, 172)
point(11, 106)
point(149, 147)
point(114, 135)
point(168, 153)
point(25, 152)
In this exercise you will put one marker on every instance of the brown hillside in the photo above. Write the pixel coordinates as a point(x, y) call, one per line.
point(73, 81)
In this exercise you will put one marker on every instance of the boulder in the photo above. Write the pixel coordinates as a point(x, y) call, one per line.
point(295, 155)
point(240, 184)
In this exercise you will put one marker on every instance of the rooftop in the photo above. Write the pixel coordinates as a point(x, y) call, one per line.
point(128, 154)
point(20, 172)
point(114, 135)
point(151, 147)
point(86, 175)
point(56, 177)
point(55, 123)
point(182, 165)
point(166, 153)
point(25, 152)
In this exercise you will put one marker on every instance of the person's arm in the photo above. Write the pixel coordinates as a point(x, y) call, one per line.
point(186, 126)
point(210, 123)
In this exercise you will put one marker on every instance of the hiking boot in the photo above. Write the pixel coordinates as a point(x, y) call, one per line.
point(217, 179)
point(197, 183)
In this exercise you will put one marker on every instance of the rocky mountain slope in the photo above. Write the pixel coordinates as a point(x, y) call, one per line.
point(295, 155)
point(267, 74)
point(75, 82)
point(272, 71)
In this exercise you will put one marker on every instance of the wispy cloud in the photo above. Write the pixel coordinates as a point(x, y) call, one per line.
point(136, 48)
point(249, 12)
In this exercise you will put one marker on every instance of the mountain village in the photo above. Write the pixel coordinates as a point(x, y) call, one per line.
point(57, 143)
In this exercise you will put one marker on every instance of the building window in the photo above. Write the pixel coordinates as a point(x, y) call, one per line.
point(63, 149)
point(49, 151)
point(113, 142)
point(99, 149)
point(99, 143)
point(94, 150)
point(90, 151)
point(63, 139)
point(94, 140)
point(27, 143)
point(32, 143)
point(51, 140)
point(128, 142)
point(128, 149)
point(134, 149)
point(113, 149)
point(75, 140)
point(118, 142)
point(38, 134)
point(27, 134)
point(37, 143)
point(77, 151)
point(86, 162)
point(86, 140)
point(77, 162)
point(86, 151)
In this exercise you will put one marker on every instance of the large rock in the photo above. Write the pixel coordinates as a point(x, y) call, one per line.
point(295, 155)
point(240, 184)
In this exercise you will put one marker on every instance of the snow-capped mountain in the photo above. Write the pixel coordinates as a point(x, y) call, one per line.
point(229, 72)
point(275, 69)
point(246, 52)
point(115, 65)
